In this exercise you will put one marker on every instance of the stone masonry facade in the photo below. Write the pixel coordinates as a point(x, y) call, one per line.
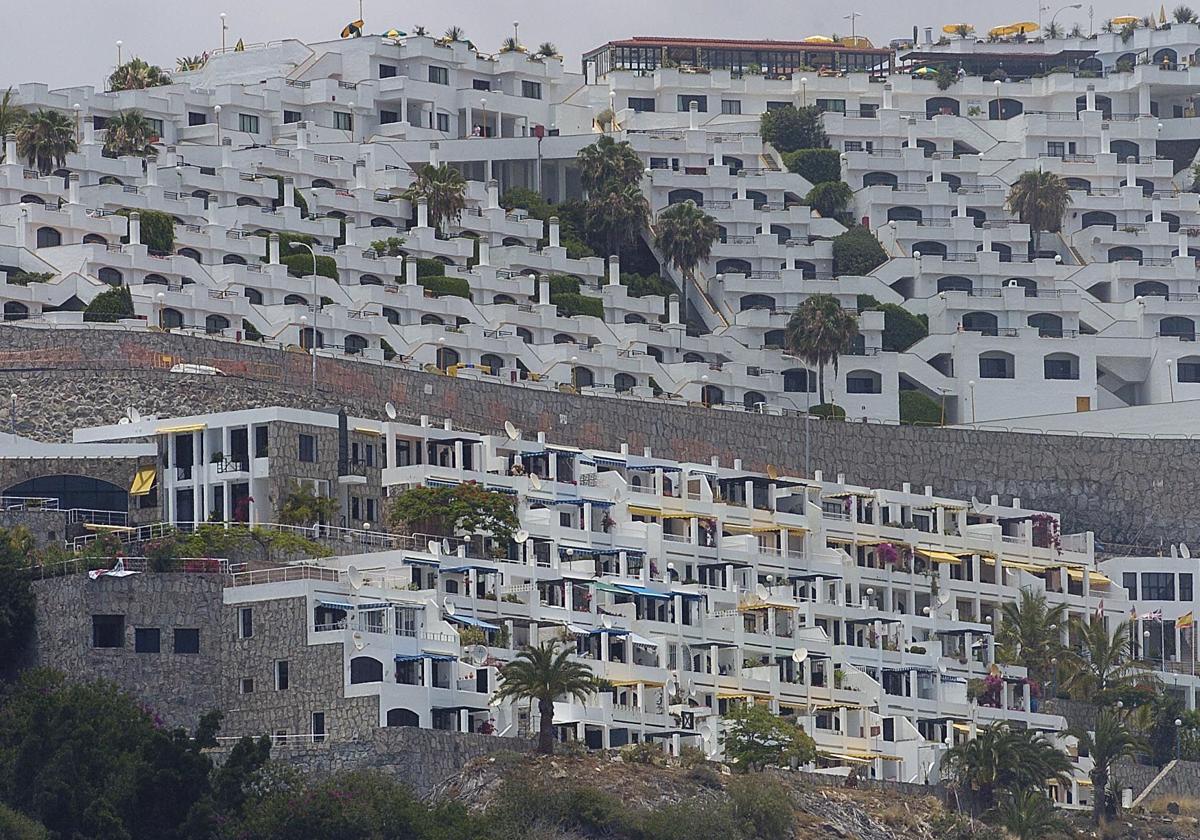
point(1135, 491)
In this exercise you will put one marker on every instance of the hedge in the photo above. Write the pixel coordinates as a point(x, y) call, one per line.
point(158, 229)
point(816, 165)
point(439, 286)
point(640, 286)
point(430, 268)
point(571, 303)
point(301, 265)
point(916, 407)
point(110, 306)
point(828, 411)
point(857, 252)
point(901, 328)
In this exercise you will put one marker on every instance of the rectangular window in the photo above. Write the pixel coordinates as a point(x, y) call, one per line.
point(1185, 586)
point(146, 640)
point(860, 385)
point(246, 623)
point(1129, 581)
point(443, 122)
point(371, 510)
point(389, 117)
point(187, 640)
point(531, 90)
point(281, 675)
point(1056, 149)
point(318, 727)
point(865, 110)
point(1158, 586)
point(369, 450)
point(343, 121)
point(247, 685)
point(1058, 369)
point(686, 100)
point(852, 146)
point(355, 509)
point(837, 106)
point(156, 126)
point(993, 369)
point(641, 104)
point(439, 75)
point(308, 449)
point(108, 631)
point(659, 163)
point(481, 84)
point(248, 123)
point(388, 71)
point(290, 117)
point(261, 439)
point(1189, 371)
point(775, 106)
point(196, 118)
point(731, 106)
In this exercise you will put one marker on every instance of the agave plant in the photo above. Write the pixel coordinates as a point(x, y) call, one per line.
point(187, 63)
point(454, 33)
point(547, 50)
point(420, 31)
point(511, 44)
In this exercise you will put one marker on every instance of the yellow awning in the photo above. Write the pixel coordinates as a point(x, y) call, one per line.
point(742, 695)
point(962, 727)
point(143, 481)
point(677, 514)
point(752, 529)
point(633, 683)
point(115, 529)
point(367, 431)
point(765, 605)
point(638, 510)
point(828, 707)
point(1094, 578)
point(939, 556)
point(1025, 567)
point(839, 540)
point(1084, 782)
point(868, 756)
point(171, 430)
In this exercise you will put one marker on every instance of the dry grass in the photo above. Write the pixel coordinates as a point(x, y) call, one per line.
point(1189, 806)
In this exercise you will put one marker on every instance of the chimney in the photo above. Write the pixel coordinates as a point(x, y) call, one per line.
point(289, 192)
point(1183, 242)
point(673, 309)
point(543, 283)
point(715, 461)
point(10, 148)
point(1091, 97)
point(1131, 172)
point(226, 153)
point(273, 249)
point(1155, 208)
point(741, 184)
point(789, 254)
point(961, 199)
point(936, 162)
point(152, 172)
point(693, 115)
point(89, 132)
point(360, 174)
point(912, 133)
point(987, 236)
point(422, 212)
point(764, 226)
point(301, 136)
point(210, 209)
point(554, 232)
point(718, 153)
point(485, 252)
point(433, 154)
point(73, 188)
point(887, 96)
point(172, 158)
point(1104, 147)
point(493, 194)
point(135, 228)
point(614, 270)
point(410, 271)
point(349, 228)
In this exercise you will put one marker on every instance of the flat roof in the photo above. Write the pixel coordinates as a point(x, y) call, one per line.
point(737, 44)
point(932, 56)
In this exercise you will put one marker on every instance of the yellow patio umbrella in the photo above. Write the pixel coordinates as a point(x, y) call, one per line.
point(855, 41)
point(953, 28)
point(1024, 27)
point(1000, 31)
point(394, 33)
point(1162, 14)
point(1124, 20)
point(817, 39)
point(353, 29)
point(924, 71)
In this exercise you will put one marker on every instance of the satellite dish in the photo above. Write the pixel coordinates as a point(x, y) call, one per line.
point(772, 472)
point(943, 599)
point(691, 687)
point(446, 546)
point(761, 591)
point(671, 686)
point(521, 537)
point(357, 636)
point(799, 655)
point(607, 622)
point(1184, 551)
point(124, 421)
point(355, 576)
point(512, 431)
point(449, 607)
point(133, 414)
point(389, 408)
point(477, 654)
point(535, 482)
point(433, 546)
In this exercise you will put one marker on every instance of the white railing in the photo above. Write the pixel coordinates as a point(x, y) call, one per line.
point(28, 503)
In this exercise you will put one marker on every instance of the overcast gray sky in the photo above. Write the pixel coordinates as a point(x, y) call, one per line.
point(64, 42)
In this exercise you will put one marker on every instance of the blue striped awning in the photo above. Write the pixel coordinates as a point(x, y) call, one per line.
point(335, 605)
point(374, 605)
point(471, 621)
point(644, 592)
point(478, 567)
point(416, 657)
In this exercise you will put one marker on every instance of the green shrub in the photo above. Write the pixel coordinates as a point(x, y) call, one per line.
point(762, 804)
point(453, 286)
point(389, 352)
point(916, 407)
point(16, 826)
point(250, 331)
point(791, 128)
point(389, 247)
point(901, 328)
point(857, 252)
point(521, 198)
point(301, 265)
point(430, 268)
point(563, 284)
point(571, 304)
point(830, 198)
point(158, 229)
point(828, 411)
point(24, 278)
point(110, 306)
point(644, 286)
point(301, 202)
point(816, 165)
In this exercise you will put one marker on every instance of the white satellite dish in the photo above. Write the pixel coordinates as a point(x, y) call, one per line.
point(1184, 551)
point(607, 622)
point(446, 546)
point(355, 576)
point(799, 655)
point(521, 537)
point(389, 408)
point(943, 599)
point(691, 687)
point(535, 482)
point(512, 431)
point(670, 687)
point(761, 591)
point(477, 654)
point(124, 421)
point(433, 546)
point(449, 607)
point(359, 644)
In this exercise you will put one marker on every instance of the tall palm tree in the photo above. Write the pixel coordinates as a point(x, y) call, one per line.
point(685, 234)
point(1025, 636)
point(618, 217)
point(137, 74)
point(129, 133)
point(1053, 30)
point(547, 49)
point(607, 164)
point(11, 118)
point(45, 138)
point(1000, 759)
point(1029, 815)
point(1039, 199)
point(1103, 664)
point(545, 673)
point(445, 190)
point(454, 33)
point(819, 332)
point(1107, 743)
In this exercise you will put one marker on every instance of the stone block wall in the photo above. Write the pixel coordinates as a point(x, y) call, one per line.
point(1126, 490)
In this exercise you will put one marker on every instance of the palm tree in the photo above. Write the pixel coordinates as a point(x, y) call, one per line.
point(45, 138)
point(11, 118)
point(1053, 30)
point(136, 74)
point(1039, 199)
point(511, 44)
point(420, 31)
point(1183, 14)
point(454, 33)
point(1025, 636)
point(819, 332)
point(1001, 759)
point(129, 133)
point(1029, 815)
point(188, 63)
point(444, 189)
point(1107, 743)
point(545, 673)
point(607, 164)
point(547, 49)
point(1103, 666)
point(963, 30)
point(618, 216)
point(684, 235)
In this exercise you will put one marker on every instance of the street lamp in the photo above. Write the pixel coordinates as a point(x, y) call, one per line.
point(1063, 9)
point(852, 17)
point(999, 107)
point(1171, 377)
point(13, 401)
point(971, 386)
point(223, 28)
point(160, 297)
point(217, 111)
point(1178, 732)
point(804, 91)
point(119, 43)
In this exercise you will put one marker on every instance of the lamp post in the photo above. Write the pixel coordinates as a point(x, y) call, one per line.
point(852, 17)
point(119, 44)
point(160, 297)
point(78, 123)
point(971, 387)
point(13, 415)
point(804, 91)
point(1178, 732)
point(224, 27)
point(1171, 378)
point(217, 111)
point(316, 306)
point(1063, 9)
point(999, 107)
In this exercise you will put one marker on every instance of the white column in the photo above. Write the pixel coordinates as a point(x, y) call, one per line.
point(741, 185)
point(887, 96)
point(614, 270)
point(1104, 144)
point(10, 148)
point(485, 252)
point(422, 212)
point(1130, 173)
point(936, 162)
point(73, 188)
point(273, 249)
point(289, 192)
point(433, 154)
point(410, 273)
point(1091, 97)
point(1155, 208)
point(360, 175)
point(544, 297)
point(693, 115)
point(1183, 242)
point(912, 133)
point(301, 137)
point(226, 153)
point(152, 172)
point(961, 201)
point(135, 228)
point(493, 195)
point(554, 232)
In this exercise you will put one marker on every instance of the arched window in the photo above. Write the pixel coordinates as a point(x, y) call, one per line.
point(1098, 218)
point(904, 214)
point(1188, 369)
point(1030, 286)
point(154, 280)
point(807, 270)
point(447, 357)
point(504, 299)
point(1048, 324)
point(980, 322)
point(759, 198)
point(15, 311)
point(782, 233)
point(1125, 150)
point(381, 222)
point(294, 300)
point(1082, 184)
point(582, 377)
point(774, 339)
point(48, 237)
point(1060, 366)
point(864, 382)
point(1151, 288)
point(799, 380)
point(74, 492)
point(996, 365)
point(954, 283)
point(355, 344)
point(215, 323)
point(929, 249)
point(233, 259)
point(733, 266)
point(655, 353)
point(491, 363)
point(1004, 109)
point(369, 280)
point(1166, 58)
point(1005, 251)
point(525, 334)
point(170, 319)
point(429, 318)
point(321, 183)
point(1171, 219)
point(511, 242)
point(938, 105)
point(1177, 326)
point(190, 253)
point(365, 669)
point(623, 383)
point(693, 357)
point(681, 195)
point(712, 395)
point(402, 717)
point(634, 318)
point(253, 295)
point(752, 400)
point(563, 338)
point(306, 338)
point(1124, 253)
point(880, 179)
point(247, 201)
point(110, 275)
point(928, 147)
point(757, 302)
point(392, 315)
point(977, 216)
point(94, 239)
